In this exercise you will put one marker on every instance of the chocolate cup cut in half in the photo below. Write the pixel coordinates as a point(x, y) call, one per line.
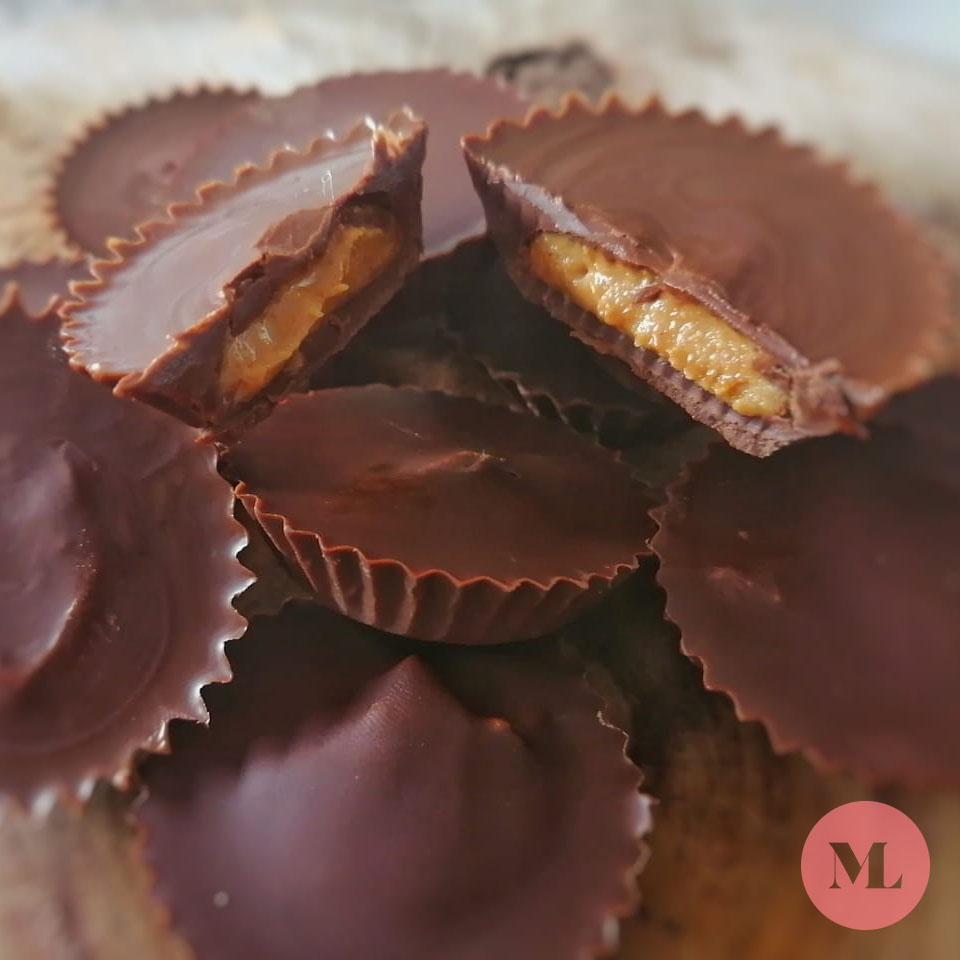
point(451, 104)
point(355, 798)
point(821, 589)
point(113, 617)
point(120, 171)
point(439, 517)
point(236, 299)
point(539, 363)
point(42, 285)
point(761, 290)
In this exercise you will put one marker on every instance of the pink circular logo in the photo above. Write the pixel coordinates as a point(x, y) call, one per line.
point(865, 865)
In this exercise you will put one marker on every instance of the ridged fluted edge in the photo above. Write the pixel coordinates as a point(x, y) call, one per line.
point(433, 604)
point(101, 123)
point(934, 353)
point(118, 769)
point(781, 742)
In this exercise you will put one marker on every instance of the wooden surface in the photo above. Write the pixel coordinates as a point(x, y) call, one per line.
point(723, 877)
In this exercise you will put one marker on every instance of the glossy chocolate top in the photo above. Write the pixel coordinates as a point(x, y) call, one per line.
point(120, 172)
point(355, 798)
point(786, 249)
point(821, 589)
point(109, 629)
point(443, 483)
point(42, 284)
point(218, 262)
point(451, 104)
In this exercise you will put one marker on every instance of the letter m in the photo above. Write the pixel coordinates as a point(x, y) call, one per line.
point(873, 861)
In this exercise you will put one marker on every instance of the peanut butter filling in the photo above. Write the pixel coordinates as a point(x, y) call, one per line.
point(353, 256)
point(681, 331)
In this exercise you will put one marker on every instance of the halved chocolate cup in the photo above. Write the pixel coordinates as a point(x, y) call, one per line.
point(821, 589)
point(439, 517)
point(119, 172)
point(118, 571)
point(357, 797)
point(236, 299)
point(756, 287)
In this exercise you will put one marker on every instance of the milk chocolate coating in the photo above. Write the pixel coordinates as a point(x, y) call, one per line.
point(440, 517)
point(112, 614)
point(821, 589)
point(451, 104)
point(816, 271)
point(354, 798)
point(42, 284)
point(157, 325)
point(120, 173)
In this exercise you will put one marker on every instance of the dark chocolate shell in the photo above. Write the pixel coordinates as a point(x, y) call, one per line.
point(439, 517)
point(358, 797)
point(119, 568)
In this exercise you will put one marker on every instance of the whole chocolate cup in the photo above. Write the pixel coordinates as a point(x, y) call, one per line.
point(451, 105)
point(844, 300)
point(120, 170)
point(439, 517)
point(357, 798)
point(118, 570)
point(821, 590)
point(42, 285)
point(155, 322)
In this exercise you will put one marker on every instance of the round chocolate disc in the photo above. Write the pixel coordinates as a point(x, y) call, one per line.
point(119, 173)
point(821, 589)
point(353, 798)
point(837, 301)
point(118, 569)
point(159, 316)
point(440, 517)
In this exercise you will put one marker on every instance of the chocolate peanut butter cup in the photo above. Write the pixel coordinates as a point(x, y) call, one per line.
point(215, 311)
point(821, 589)
point(118, 570)
point(353, 797)
point(403, 349)
point(43, 285)
point(451, 105)
point(440, 517)
point(758, 288)
point(120, 171)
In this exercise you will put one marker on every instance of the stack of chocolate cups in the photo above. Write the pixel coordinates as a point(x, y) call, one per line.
point(429, 380)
